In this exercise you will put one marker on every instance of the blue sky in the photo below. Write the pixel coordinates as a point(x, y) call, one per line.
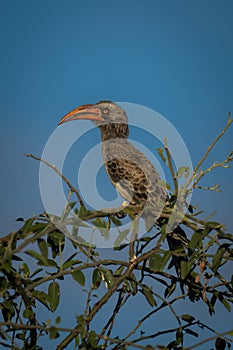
point(172, 56)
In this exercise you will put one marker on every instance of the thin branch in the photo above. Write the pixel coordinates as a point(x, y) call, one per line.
point(214, 166)
point(52, 166)
point(221, 335)
point(211, 146)
point(97, 306)
point(119, 342)
point(32, 239)
point(111, 320)
point(30, 327)
point(71, 270)
point(149, 314)
point(170, 165)
point(135, 224)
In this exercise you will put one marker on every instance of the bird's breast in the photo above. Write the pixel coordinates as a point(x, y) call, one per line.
point(133, 175)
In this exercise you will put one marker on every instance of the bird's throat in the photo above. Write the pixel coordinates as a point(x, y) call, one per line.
point(114, 131)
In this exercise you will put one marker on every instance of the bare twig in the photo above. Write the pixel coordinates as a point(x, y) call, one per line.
point(30, 327)
point(52, 166)
point(211, 146)
point(221, 335)
point(223, 164)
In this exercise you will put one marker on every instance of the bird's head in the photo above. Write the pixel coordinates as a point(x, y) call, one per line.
point(107, 115)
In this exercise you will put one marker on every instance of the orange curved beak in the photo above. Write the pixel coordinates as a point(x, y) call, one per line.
point(90, 112)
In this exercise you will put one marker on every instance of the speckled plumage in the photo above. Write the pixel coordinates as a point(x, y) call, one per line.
point(133, 175)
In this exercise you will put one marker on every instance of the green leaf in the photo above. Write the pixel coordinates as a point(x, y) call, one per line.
point(69, 206)
point(96, 278)
point(190, 208)
point(56, 240)
point(126, 286)
point(79, 277)
point(213, 225)
point(155, 262)
point(28, 313)
point(20, 336)
point(145, 239)
point(99, 222)
point(6, 264)
point(226, 304)
point(103, 226)
point(188, 318)
point(83, 212)
point(196, 238)
point(222, 235)
point(160, 152)
point(147, 292)
point(3, 285)
point(36, 272)
point(52, 263)
point(25, 270)
point(179, 337)
point(169, 290)
point(119, 270)
point(66, 264)
point(43, 247)
point(121, 247)
point(57, 236)
point(133, 283)
point(164, 184)
point(19, 219)
point(53, 295)
point(217, 258)
point(77, 341)
point(41, 259)
point(58, 320)
point(165, 259)
point(7, 310)
point(185, 268)
point(149, 222)
point(47, 322)
point(39, 226)
point(82, 241)
point(28, 227)
point(109, 279)
point(92, 339)
point(220, 344)
point(70, 263)
point(116, 221)
point(212, 303)
point(224, 301)
point(16, 258)
point(122, 236)
point(53, 333)
point(184, 170)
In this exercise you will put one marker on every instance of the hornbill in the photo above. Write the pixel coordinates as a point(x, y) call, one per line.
point(132, 174)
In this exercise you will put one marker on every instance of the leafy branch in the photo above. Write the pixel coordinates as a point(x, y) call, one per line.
point(45, 252)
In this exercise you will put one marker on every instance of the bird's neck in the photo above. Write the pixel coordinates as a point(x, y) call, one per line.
point(114, 131)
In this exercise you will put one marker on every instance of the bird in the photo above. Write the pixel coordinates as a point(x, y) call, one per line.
point(129, 170)
point(131, 173)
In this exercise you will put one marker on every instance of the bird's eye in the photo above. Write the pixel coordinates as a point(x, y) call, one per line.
point(105, 111)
